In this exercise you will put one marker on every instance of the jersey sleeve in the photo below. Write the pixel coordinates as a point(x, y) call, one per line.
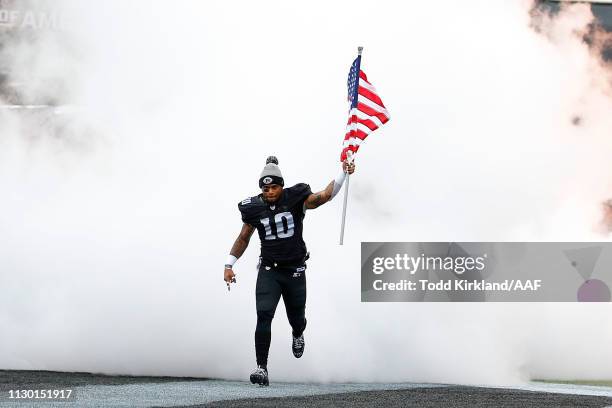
point(303, 191)
point(299, 193)
point(247, 211)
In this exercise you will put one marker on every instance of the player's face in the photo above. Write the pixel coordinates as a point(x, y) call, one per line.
point(272, 192)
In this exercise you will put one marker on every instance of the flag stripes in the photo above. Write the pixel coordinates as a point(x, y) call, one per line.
point(367, 111)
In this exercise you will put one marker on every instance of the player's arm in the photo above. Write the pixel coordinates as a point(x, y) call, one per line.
point(240, 245)
point(242, 242)
point(317, 199)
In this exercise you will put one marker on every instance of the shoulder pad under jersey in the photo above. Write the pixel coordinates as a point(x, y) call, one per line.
point(298, 193)
point(250, 208)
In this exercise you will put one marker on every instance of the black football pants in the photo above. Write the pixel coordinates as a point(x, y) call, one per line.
point(272, 282)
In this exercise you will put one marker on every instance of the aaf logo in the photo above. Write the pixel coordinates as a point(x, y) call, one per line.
point(298, 271)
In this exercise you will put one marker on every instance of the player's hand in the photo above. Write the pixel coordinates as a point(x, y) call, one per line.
point(229, 277)
point(348, 167)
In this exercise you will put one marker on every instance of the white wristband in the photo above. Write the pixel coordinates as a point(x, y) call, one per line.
point(338, 181)
point(231, 260)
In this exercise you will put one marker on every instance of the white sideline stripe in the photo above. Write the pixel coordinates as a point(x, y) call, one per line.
point(200, 392)
point(584, 1)
point(57, 109)
point(594, 390)
point(27, 106)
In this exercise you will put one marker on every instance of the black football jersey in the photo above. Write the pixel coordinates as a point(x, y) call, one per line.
point(279, 225)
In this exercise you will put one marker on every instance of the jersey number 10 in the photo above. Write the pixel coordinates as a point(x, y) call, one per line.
point(284, 226)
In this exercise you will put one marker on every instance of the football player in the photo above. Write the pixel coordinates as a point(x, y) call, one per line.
point(277, 214)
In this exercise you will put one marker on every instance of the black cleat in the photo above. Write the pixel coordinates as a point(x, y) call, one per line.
point(298, 346)
point(260, 376)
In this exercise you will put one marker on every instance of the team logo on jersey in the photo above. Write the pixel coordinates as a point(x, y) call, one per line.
point(296, 274)
point(267, 180)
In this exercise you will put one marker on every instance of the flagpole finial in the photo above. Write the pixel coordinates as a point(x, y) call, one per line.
point(359, 49)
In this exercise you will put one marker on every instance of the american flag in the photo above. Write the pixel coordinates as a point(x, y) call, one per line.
point(367, 111)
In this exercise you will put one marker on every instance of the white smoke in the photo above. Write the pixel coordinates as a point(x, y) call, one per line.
point(115, 225)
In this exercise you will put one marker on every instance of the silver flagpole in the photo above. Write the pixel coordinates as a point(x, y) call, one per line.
point(349, 155)
point(349, 159)
point(346, 186)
